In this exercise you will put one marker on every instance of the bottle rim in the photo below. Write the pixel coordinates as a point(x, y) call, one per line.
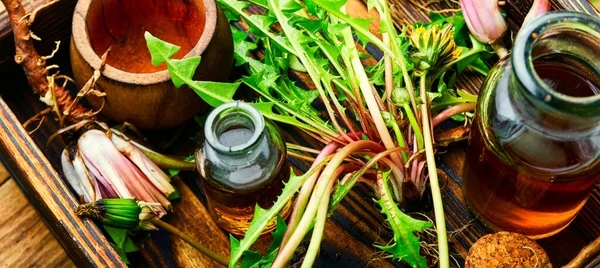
point(216, 117)
point(522, 62)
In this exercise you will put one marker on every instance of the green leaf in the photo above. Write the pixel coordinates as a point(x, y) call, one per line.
point(277, 234)
point(182, 71)
point(175, 195)
point(120, 252)
point(252, 259)
point(256, 22)
point(262, 217)
point(241, 46)
point(214, 93)
point(118, 235)
point(266, 108)
point(160, 51)
point(360, 25)
point(446, 97)
point(123, 244)
point(185, 69)
point(479, 66)
point(406, 246)
point(296, 65)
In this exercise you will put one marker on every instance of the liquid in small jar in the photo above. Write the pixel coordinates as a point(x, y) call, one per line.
point(243, 171)
point(537, 185)
point(233, 209)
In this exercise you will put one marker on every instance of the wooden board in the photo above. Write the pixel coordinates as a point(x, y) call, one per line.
point(349, 235)
point(25, 239)
point(3, 174)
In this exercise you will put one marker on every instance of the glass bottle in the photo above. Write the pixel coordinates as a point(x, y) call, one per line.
point(534, 151)
point(242, 163)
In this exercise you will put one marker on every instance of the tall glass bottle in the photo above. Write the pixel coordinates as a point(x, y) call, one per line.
point(242, 163)
point(534, 150)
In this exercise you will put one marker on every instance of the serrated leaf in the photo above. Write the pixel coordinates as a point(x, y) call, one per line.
point(447, 97)
point(289, 6)
point(241, 46)
point(213, 93)
point(360, 25)
point(237, 7)
point(266, 108)
point(160, 51)
point(252, 259)
point(186, 69)
point(120, 252)
point(406, 246)
point(262, 218)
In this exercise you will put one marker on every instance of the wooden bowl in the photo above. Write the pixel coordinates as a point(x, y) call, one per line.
point(138, 92)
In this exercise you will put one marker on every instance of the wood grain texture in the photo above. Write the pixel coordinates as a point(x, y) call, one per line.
point(350, 233)
point(191, 217)
point(40, 181)
point(25, 240)
point(3, 174)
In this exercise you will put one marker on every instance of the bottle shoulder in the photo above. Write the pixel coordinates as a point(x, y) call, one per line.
point(519, 144)
point(246, 173)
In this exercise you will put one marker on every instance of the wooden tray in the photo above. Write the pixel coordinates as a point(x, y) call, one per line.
point(349, 235)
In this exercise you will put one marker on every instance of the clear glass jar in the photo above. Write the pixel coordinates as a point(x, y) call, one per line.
point(242, 163)
point(534, 151)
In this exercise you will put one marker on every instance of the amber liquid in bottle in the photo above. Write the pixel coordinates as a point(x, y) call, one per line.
point(236, 209)
point(232, 196)
point(528, 203)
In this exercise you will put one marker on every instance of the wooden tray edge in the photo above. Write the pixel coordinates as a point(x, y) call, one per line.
point(81, 238)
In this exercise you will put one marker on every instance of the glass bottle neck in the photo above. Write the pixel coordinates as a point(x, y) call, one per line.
point(234, 132)
point(555, 74)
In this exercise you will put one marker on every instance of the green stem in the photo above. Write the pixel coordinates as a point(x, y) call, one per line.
point(286, 251)
point(318, 230)
point(400, 138)
point(452, 111)
point(345, 188)
point(308, 64)
point(204, 250)
point(365, 87)
point(499, 48)
point(382, 8)
point(310, 125)
point(449, 64)
point(440, 222)
point(414, 124)
point(164, 161)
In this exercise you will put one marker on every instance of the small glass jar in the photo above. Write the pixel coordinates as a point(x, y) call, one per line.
point(242, 163)
point(534, 151)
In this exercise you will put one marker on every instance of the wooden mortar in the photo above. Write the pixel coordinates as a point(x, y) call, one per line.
point(138, 92)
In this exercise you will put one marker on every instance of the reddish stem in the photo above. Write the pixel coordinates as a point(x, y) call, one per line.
point(452, 111)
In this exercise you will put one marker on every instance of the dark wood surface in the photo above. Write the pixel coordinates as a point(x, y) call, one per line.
point(349, 235)
point(22, 229)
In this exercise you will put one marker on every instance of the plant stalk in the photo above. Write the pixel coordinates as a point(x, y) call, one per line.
point(585, 255)
point(287, 250)
point(204, 250)
point(452, 111)
point(415, 125)
point(440, 222)
point(317, 234)
point(366, 89)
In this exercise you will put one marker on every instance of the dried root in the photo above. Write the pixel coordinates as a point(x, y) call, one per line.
point(37, 72)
